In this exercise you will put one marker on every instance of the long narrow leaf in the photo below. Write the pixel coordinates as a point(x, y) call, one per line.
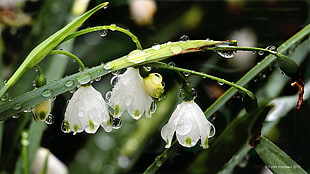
point(39, 52)
point(277, 160)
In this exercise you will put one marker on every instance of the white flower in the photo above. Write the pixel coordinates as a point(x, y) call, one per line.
point(129, 94)
point(190, 125)
point(86, 110)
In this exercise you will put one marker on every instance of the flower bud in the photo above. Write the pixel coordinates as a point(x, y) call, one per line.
point(41, 111)
point(153, 85)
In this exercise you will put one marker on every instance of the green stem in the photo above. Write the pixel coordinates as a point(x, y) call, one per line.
point(165, 66)
point(78, 61)
point(160, 159)
point(24, 143)
point(111, 27)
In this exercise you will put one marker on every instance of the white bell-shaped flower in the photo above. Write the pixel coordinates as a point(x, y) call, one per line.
point(190, 125)
point(129, 94)
point(86, 110)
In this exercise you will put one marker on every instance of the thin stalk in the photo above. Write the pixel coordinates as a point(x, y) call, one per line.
point(165, 66)
point(78, 60)
point(25, 143)
point(111, 27)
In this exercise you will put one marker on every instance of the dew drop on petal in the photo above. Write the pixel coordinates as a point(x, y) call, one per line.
point(69, 83)
point(65, 127)
point(108, 95)
point(153, 107)
point(47, 93)
point(49, 119)
point(114, 80)
point(84, 78)
point(116, 122)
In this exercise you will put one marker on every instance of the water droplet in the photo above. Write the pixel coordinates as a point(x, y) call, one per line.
point(116, 122)
point(72, 90)
point(169, 42)
point(220, 83)
point(5, 97)
point(176, 49)
point(114, 80)
point(65, 127)
point(184, 38)
point(103, 33)
point(158, 161)
point(35, 69)
point(53, 98)
point(28, 110)
point(108, 96)
point(153, 107)
point(137, 56)
point(69, 83)
point(171, 64)
point(97, 79)
point(271, 48)
point(49, 119)
point(108, 66)
point(117, 72)
point(17, 106)
point(84, 78)
point(47, 93)
point(16, 116)
point(260, 53)
point(186, 74)
point(156, 47)
point(228, 54)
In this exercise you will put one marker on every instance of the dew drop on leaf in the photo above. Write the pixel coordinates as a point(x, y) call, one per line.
point(47, 93)
point(84, 78)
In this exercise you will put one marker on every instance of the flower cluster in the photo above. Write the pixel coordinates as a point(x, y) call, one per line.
point(131, 93)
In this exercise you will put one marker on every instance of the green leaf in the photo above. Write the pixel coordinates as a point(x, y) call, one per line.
point(136, 57)
point(275, 159)
point(42, 50)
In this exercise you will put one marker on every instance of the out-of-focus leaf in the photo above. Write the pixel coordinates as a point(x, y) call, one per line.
point(277, 160)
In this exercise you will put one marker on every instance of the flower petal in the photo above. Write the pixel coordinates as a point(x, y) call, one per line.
point(167, 132)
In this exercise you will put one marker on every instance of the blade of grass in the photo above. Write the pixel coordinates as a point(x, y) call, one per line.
point(41, 51)
point(275, 159)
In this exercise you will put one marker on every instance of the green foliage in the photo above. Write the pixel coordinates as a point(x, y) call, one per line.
point(241, 113)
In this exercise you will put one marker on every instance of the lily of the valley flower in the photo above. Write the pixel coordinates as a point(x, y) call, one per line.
point(86, 110)
point(190, 125)
point(129, 94)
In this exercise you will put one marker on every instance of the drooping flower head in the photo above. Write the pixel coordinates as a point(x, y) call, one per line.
point(188, 122)
point(129, 93)
point(86, 110)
